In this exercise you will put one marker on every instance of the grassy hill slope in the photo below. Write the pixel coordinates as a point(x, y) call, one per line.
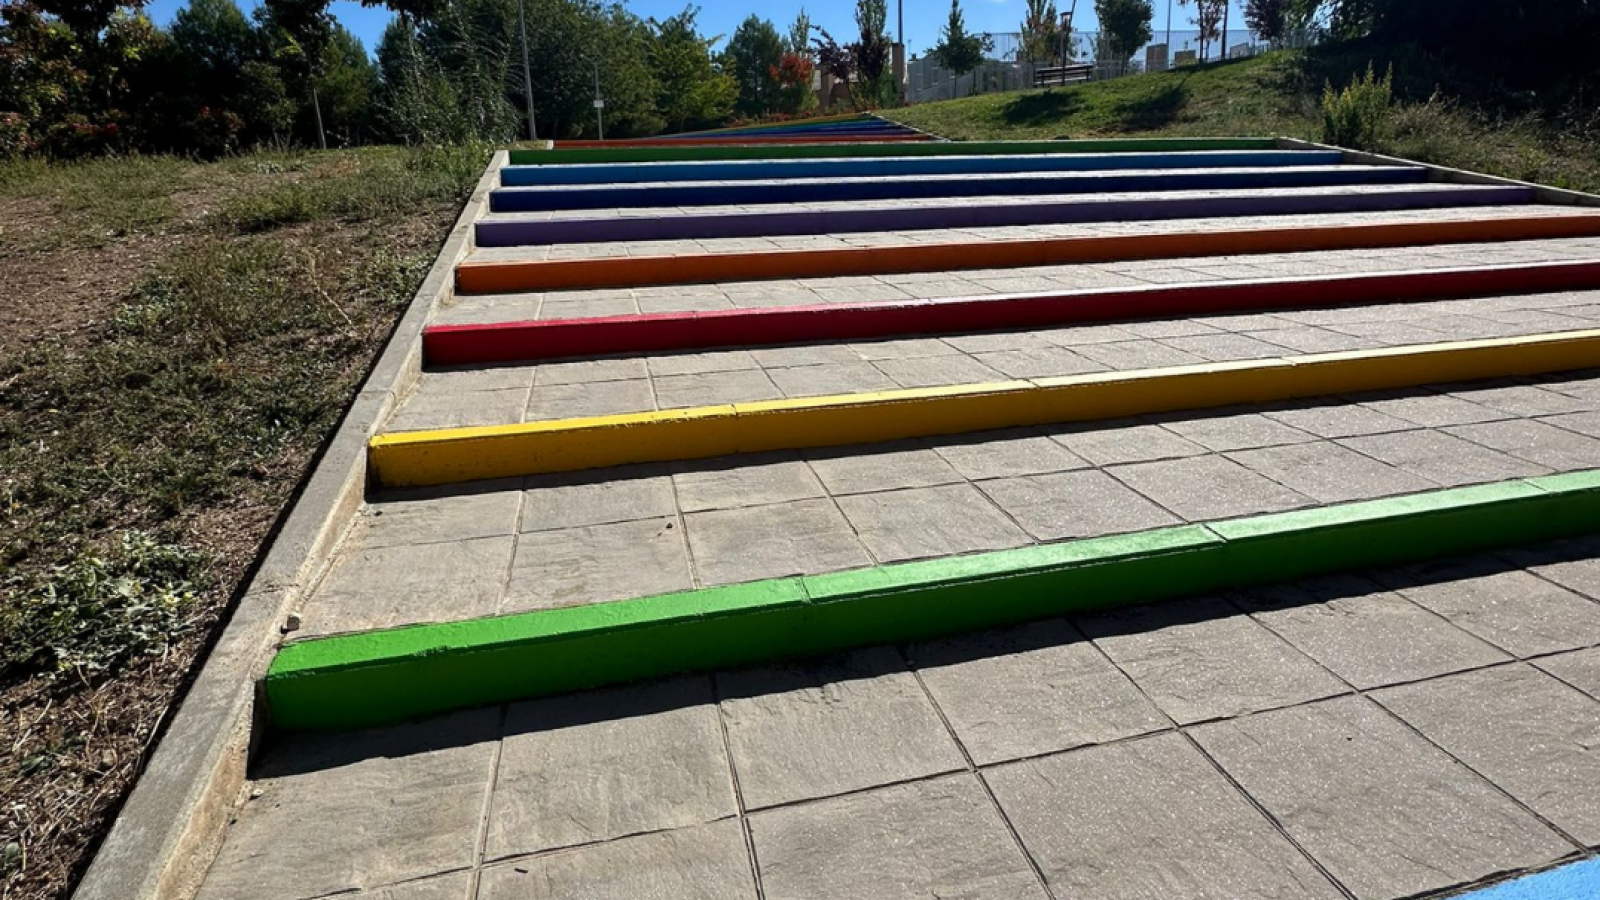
point(1280, 94)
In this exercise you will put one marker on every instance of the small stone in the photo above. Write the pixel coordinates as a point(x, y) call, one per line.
point(255, 793)
point(292, 623)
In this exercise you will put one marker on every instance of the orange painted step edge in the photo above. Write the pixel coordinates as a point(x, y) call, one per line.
point(638, 271)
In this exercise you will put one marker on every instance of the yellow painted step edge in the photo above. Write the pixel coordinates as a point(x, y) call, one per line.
point(419, 458)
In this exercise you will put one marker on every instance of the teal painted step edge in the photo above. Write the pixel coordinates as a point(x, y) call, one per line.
point(380, 677)
point(673, 153)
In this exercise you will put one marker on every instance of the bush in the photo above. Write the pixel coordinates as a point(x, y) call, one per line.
point(95, 612)
point(1358, 116)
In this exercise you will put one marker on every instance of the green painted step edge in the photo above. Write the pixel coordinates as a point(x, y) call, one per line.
point(929, 148)
point(381, 677)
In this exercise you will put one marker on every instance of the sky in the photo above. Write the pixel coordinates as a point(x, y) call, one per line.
point(923, 18)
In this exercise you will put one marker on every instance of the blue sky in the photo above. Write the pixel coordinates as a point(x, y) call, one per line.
point(923, 18)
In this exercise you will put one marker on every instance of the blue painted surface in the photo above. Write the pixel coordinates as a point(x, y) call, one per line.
point(639, 173)
point(512, 233)
point(1031, 185)
point(1575, 881)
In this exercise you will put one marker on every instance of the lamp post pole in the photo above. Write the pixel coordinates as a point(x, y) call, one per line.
point(527, 71)
point(599, 104)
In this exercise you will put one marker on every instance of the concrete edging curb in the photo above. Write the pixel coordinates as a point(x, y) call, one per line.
point(1542, 193)
point(374, 678)
point(170, 827)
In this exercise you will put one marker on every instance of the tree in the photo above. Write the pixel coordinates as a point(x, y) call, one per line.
point(752, 57)
point(1124, 26)
point(870, 55)
point(690, 92)
point(300, 32)
point(1041, 33)
point(347, 83)
point(1208, 20)
point(798, 40)
point(957, 50)
point(1269, 19)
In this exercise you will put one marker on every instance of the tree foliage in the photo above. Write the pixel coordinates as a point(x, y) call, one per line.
point(1124, 26)
point(1269, 19)
point(690, 91)
point(752, 57)
point(1041, 34)
point(958, 50)
point(1207, 20)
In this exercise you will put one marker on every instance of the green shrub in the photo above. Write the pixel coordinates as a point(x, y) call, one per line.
point(1358, 117)
point(99, 610)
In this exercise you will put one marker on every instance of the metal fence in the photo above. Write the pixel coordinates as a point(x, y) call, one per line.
point(1002, 71)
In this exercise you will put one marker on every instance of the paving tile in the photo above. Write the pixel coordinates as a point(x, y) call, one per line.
point(667, 365)
point(1308, 339)
point(1535, 441)
point(919, 523)
point(595, 563)
point(1531, 735)
point(454, 886)
point(473, 379)
point(1365, 635)
point(569, 500)
point(804, 355)
point(851, 721)
point(601, 765)
point(939, 838)
point(1428, 409)
point(1574, 564)
point(1203, 488)
point(1442, 458)
point(704, 862)
point(1583, 423)
point(1045, 362)
point(1236, 431)
point(599, 398)
point(1338, 419)
point(585, 370)
point(1580, 668)
point(880, 467)
point(1006, 454)
point(1200, 659)
point(1030, 690)
point(1515, 610)
point(714, 388)
point(1167, 328)
point(1074, 504)
point(903, 349)
point(453, 513)
point(423, 412)
point(938, 371)
point(1525, 400)
point(1148, 819)
point(406, 585)
point(1318, 769)
point(745, 481)
point(998, 342)
point(833, 378)
point(1329, 473)
point(1123, 441)
point(1133, 355)
point(795, 538)
point(297, 840)
point(1225, 347)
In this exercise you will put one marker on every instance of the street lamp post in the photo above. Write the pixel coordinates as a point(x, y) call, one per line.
point(527, 71)
point(599, 104)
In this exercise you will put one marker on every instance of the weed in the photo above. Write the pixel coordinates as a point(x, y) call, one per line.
point(98, 610)
point(1358, 117)
point(99, 200)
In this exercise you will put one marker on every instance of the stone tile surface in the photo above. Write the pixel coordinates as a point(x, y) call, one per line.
point(1321, 770)
point(1533, 736)
point(596, 766)
point(704, 862)
point(1148, 819)
point(1030, 690)
point(1515, 610)
point(800, 537)
point(300, 838)
point(1201, 659)
point(938, 838)
point(811, 730)
point(597, 563)
point(928, 522)
point(1208, 487)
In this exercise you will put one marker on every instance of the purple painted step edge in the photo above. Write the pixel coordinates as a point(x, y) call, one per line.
point(492, 233)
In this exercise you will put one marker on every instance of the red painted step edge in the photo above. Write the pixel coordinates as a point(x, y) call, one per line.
point(451, 345)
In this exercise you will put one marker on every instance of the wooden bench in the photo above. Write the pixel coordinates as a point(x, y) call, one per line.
point(1049, 76)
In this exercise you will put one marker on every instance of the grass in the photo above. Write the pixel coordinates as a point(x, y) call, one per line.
point(184, 337)
point(1279, 94)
